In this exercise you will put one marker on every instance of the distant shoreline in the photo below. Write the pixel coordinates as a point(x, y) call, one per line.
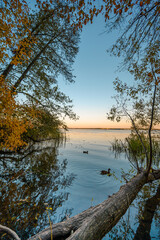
point(107, 128)
point(104, 128)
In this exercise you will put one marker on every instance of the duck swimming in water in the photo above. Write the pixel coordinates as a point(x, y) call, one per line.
point(85, 152)
point(104, 172)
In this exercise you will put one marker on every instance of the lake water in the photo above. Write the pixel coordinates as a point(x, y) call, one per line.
point(90, 187)
point(67, 181)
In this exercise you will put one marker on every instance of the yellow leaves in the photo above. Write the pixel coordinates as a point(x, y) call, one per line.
point(157, 71)
point(37, 215)
point(15, 119)
point(106, 16)
point(49, 208)
point(150, 75)
point(141, 3)
point(120, 11)
point(13, 18)
point(81, 12)
point(126, 9)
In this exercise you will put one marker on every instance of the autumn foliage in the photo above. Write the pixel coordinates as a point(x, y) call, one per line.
point(15, 119)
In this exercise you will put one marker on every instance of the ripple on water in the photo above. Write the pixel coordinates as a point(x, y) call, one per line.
point(89, 178)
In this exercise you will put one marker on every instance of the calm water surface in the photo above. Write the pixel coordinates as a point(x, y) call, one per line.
point(67, 181)
point(90, 187)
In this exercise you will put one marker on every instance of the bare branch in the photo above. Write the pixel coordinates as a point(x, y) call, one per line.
point(9, 231)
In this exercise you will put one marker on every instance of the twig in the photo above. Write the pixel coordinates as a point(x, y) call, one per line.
point(50, 225)
point(9, 231)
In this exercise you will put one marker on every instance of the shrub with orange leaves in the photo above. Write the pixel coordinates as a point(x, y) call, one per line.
point(12, 124)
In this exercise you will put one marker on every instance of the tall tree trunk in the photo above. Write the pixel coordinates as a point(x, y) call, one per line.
point(30, 65)
point(34, 31)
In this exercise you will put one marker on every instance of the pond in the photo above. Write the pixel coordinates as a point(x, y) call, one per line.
point(46, 183)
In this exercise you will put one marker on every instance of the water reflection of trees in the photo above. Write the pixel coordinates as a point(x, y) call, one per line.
point(148, 205)
point(32, 181)
point(148, 200)
point(146, 216)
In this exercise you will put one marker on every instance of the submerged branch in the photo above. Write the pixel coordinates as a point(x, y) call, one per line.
point(9, 232)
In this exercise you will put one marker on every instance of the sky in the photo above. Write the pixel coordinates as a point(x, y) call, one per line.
point(95, 71)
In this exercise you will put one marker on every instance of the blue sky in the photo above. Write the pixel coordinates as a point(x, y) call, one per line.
point(95, 71)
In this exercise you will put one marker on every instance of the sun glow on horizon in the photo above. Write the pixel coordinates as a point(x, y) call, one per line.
point(97, 124)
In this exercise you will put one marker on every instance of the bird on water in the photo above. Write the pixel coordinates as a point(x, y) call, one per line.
point(104, 172)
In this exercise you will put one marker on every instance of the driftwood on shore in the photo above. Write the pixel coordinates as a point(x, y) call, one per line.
point(97, 221)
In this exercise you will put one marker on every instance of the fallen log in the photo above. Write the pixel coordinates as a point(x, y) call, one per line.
point(115, 207)
point(97, 221)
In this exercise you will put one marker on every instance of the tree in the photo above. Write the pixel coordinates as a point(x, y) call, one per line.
point(41, 47)
point(139, 33)
point(140, 101)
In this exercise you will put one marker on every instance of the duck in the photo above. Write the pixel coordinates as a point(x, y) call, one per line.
point(104, 172)
point(85, 152)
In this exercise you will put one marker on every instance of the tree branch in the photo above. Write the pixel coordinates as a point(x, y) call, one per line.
point(9, 231)
point(151, 123)
point(29, 67)
point(10, 66)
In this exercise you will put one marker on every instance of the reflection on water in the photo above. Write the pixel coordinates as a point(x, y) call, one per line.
point(142, 220)
point(31, 182)
point(146, 216)
point(68, 181)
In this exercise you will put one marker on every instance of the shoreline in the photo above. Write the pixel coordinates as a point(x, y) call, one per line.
point(156, 129)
